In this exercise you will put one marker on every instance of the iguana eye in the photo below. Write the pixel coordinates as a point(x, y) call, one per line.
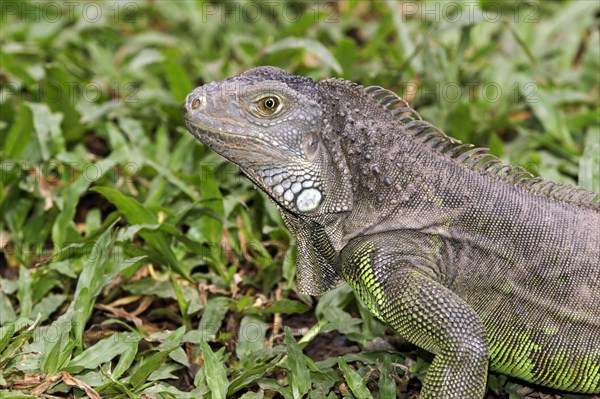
point(269, 105)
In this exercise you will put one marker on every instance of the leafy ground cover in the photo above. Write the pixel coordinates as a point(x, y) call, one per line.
point(137, 264)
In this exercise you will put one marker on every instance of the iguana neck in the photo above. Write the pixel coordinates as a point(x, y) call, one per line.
point(354, 125)
point(386, 164)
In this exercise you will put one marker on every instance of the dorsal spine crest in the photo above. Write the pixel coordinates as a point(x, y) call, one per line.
point(477, 158)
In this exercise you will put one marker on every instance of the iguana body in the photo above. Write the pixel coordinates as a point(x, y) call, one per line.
point(467, 257)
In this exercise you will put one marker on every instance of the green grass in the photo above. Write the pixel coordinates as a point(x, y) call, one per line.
point(137, 264)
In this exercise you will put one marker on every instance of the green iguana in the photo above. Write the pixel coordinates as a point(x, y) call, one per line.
point(465, 256)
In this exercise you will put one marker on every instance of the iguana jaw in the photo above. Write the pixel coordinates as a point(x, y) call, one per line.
point(294, 188)
point(229, 140)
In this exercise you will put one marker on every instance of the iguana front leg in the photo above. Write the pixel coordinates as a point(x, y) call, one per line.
point(399, 291)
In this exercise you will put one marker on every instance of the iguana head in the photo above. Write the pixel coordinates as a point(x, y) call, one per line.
point(269, 123)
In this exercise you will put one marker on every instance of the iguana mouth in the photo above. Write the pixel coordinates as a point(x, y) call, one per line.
point(196, 128)
point(240, 148)
point(238, 142)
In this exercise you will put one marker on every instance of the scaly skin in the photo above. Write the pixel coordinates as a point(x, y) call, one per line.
point(467, 257)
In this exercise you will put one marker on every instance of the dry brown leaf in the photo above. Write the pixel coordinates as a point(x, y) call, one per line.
point(72, 381)
point(110, 286)
point(143, 306)
point(125, 300)
point(204, 289)
point(48, 382)
point(28, 381)
point(119, 313)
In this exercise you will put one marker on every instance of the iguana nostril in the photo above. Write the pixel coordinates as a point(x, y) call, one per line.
point(195, 104)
